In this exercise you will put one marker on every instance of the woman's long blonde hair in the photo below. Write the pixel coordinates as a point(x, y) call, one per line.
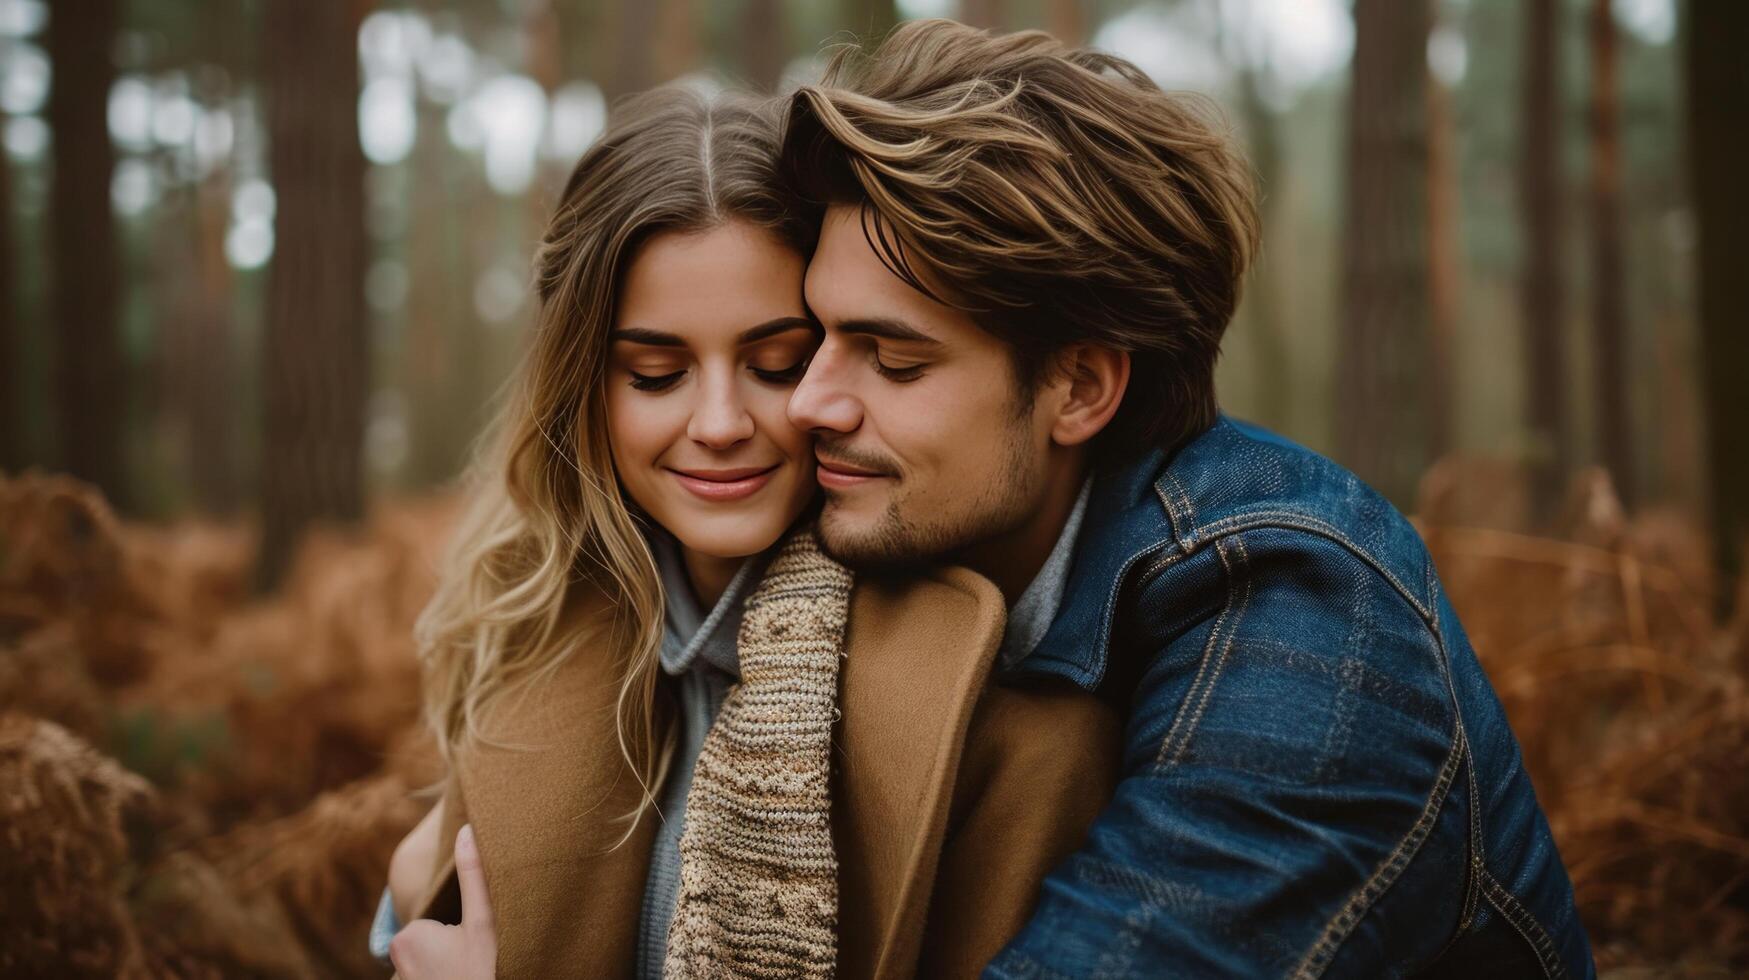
point(548, 561)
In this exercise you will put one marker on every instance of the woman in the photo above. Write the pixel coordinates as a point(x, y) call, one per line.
point(647, 797)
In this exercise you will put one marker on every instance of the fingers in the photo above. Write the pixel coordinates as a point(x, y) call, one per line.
point(476, 907)
point(417, 947)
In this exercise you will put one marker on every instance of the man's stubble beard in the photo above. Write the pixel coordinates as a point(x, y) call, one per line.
point(897, 544)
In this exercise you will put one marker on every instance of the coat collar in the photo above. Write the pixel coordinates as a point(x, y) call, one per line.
point(917, 656)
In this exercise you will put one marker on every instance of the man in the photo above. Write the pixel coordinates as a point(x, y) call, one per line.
point(1027, 259)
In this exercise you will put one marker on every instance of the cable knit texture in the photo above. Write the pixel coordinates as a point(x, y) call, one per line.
point(758, 877)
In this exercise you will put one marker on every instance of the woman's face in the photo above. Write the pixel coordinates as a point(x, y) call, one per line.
point(710, 338)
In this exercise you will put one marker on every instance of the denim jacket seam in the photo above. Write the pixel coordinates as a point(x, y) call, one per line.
point(1177, 739)
point(1526, 925)
point(1478, 853)
point(1296, 520)
point(1336, 931)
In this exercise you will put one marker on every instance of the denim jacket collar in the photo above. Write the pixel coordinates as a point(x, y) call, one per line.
point(1124, 522)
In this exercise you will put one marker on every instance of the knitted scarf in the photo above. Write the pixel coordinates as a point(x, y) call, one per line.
point(758, 877)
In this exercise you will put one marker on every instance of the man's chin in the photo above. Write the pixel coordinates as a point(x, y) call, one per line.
point(869, 547)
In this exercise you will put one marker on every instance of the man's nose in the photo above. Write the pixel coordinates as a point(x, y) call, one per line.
point(822, 400)
point(719, 419)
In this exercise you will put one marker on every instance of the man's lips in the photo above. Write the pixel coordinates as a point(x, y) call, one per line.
point(836, 475)
point(723, 485)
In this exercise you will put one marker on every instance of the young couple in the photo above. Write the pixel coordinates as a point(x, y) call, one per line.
point(866, 584)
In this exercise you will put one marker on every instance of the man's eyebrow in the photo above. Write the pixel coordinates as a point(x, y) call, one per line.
point(887, 328)
point(659, 338)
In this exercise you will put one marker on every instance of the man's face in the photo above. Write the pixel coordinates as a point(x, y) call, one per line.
point(926, 446)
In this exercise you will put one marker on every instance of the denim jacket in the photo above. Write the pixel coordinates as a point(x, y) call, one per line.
point(1318, 778)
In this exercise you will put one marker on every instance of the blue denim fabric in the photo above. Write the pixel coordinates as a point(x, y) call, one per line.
point(1318, 778)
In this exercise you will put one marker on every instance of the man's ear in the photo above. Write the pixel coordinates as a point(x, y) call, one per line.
point(1094, 379)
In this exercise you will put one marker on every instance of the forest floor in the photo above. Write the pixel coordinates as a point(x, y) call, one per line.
point(198, 782)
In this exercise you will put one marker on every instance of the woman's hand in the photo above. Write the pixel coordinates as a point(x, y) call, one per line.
point(414, 860)
point(429, 950)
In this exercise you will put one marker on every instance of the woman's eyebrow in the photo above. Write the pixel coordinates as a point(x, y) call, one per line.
point(658, 338)
point(642, 335)
point(772, 328)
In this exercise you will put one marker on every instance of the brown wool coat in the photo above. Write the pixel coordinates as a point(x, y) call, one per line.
point(952, 798)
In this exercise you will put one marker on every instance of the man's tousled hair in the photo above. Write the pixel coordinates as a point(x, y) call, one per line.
point(1055, 193)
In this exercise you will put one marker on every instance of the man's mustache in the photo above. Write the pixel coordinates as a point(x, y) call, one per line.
point(837, 455)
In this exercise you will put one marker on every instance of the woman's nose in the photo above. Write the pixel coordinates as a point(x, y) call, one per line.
point(720, 419)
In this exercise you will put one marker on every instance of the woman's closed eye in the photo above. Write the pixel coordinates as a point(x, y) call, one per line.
point(781, 375)
point(655, 382)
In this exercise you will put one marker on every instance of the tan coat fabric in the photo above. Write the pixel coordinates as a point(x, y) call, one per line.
point(952, 798)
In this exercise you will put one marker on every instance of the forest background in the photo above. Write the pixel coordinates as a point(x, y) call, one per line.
point(264, 267)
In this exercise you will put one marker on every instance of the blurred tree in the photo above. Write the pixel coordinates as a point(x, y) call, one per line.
point(1613, 393)
point(991, 14)
point(315, 357)
point(1067, 20)
point(677, 41)
point(1541, 294)
point(13, 434)
point(1274, 381)
point(91, 375)
point(764, 45)
point(870, 18)
point(1444, 267)
point(1383, 356)
point(204, 374)
point(630, 67)
point(1718, 133)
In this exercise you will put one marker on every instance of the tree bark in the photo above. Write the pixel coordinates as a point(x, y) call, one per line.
point(1067, 20)
point(763, 51)
point(1718, 135)
point(1541, 295)
point(14, 434)
point(315, 354)
point(91, 374)
point(1444, 269)
point(1608, 296)
point(209, 391)
point(983, 13)
point(1275, 383)
point(871, 19)
point(632, 60)
point(1382, 408)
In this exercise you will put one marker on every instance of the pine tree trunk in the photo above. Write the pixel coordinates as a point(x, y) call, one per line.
point(1542, 299)
point(1718, 133)
point(1382, 407)
point(315, 358)
point(212, 430)
point(763, 51)
point(1067, 20)
point(1608, 297)
point(633, 24)
point(983, 13)
point(14, 436)
point(90, 371)
point(1275, 380)
point(870, 19)
point(1444, 269)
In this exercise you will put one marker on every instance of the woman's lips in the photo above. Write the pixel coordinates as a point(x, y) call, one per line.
point(718, 486)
